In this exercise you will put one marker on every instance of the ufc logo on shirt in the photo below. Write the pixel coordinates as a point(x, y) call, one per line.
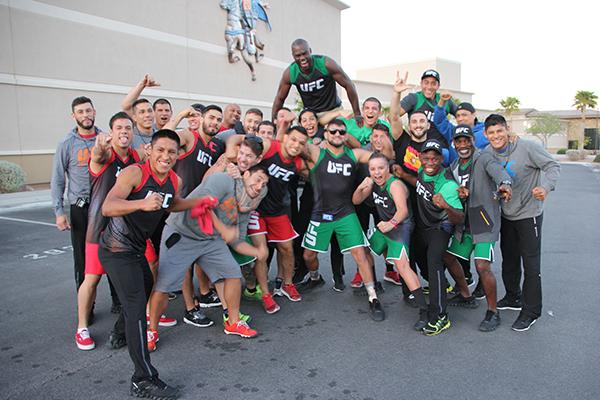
point(423, 192)
point(166, 198)
point(204, 158)
point(280, 173)
point(377, 199)
point(311, 86)
point(339, 168)
point(463, 180)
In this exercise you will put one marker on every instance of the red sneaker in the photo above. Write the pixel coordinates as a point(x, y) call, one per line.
point(240, 328)
point(289, 290)
point(269, 304)
point(152, 338)
point(392, 277)
point(357, 281)
point(84, 341)
point(164, 320)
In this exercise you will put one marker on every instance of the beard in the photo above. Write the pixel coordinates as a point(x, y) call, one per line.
point(206, 129)
point(83, 126)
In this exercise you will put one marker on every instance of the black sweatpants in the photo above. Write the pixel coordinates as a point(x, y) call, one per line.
point(521, 240)
point(133, 281)
point(79, 223)
point(437, 244)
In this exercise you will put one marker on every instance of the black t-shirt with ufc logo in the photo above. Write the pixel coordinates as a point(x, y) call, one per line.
point(281, 172)
point(130, 232)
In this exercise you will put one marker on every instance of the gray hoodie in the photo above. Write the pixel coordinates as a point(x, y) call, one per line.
point(71, 160)
point(525, 161)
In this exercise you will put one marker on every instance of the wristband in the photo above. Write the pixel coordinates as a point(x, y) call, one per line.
point(394, 222)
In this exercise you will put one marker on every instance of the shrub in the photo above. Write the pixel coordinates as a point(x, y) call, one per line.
point(12, 177)
point(561, 151)
point(597, 158)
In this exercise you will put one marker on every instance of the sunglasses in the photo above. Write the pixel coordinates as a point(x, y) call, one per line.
point(341, 132)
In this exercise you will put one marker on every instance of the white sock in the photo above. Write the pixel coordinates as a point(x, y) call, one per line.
point(371, 291)
point(79, 330)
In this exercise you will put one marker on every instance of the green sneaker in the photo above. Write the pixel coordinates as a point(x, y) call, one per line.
point(256, 296)
point(243, 317)
point(437, 327)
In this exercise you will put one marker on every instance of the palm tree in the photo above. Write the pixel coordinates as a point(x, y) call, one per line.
point(510, 105)
point(583, 100)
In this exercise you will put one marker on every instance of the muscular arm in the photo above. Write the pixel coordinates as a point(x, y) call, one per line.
point(362, 156)
point(400, 195)
point(282, 93)
point(100, 153)
point(135, 92)
point(116, 203)
point(362, 191)
point(342, 79)
point(179, 203)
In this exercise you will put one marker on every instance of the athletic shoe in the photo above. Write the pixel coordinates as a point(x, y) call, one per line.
point(197, 318)
point(256, 295)
point(278, 283)
point(460, 301)
point(377, 313)
point(523, 323)
point(211, 299)
point(241, 316)
point(83, 340)
point(478, 293)
point(507, 304)
point(152, 339)
point(153, 388)
point(449, 289)
point(338, 285)
point(163, 321)
point(116, 308)
point(241, 329)
point(357, 281)
point(270, 306)
point(311, 284)
point(423, 320)
point(411, 301)
point(172, 296)
point(470, 281)
point(392, 277)
point(436, 327)
point(490, 322)
point(289, 290)
point(116, 341)
point(300, 275)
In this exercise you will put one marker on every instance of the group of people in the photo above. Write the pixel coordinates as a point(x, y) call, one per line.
point(153, 206)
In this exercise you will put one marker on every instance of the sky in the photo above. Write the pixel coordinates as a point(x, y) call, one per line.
point(541, 52)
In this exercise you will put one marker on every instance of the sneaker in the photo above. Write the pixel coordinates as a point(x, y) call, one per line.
point(523, 323)
point(392, 277)
point(423, 320)
point(116, 308)
point(152, 339)
point(449, 290)
point(490, 322)
point(116, 341)
point(379, 287)
point(256, 295)
point(278, 284)
point(163, 321)
point(478, 293)
point(241, 316)
point(377, 313)
point(311, 284)
point(507, 304)
point(83, 340)
point(300, 275)
point(153, 388)
point(172, 296)
point(289, 290)
point(411, 301)
point(338, 285)
point(460, 301)
point(469, 280)
point(436, 327)
point(241, 329)
point(197, 318)
point(270, 306)
point(357, 281)
point(211, 299)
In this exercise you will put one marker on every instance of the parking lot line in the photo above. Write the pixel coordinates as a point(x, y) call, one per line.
point(28, 221)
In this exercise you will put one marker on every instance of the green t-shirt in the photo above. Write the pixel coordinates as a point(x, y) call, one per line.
point(447, 188)
point(363, 135)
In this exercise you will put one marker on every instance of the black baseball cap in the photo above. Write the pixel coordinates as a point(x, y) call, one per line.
point(198, 107)
point(431, 73)
point(466, 106)
point(462, 131)
point(432, 144)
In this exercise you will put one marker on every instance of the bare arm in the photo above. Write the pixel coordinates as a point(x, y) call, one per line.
point(282, 93)
point(405, 176)
point(362, 155)
point(342, 79)
point(136, 91)
point(283, 126)
point(100, 152)
point(116, 203)
point(362, 191)
point(396, 112)
point(179, 203)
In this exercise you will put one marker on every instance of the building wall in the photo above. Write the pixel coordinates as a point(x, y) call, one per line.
point(55, 50)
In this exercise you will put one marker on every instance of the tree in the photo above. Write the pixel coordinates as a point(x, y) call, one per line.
point(583, 100)
point(545, 126)
point(510, 105)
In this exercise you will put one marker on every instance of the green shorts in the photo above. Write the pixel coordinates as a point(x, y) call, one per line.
point(379, 243)
point(347, 230)
point(483, 250)
point(240, 258)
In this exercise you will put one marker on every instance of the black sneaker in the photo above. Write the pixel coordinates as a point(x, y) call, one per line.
point(508, 304)
point(209, 300)
point(423, 320)
point(465, 302)
point(153, 388)
point(410, 301)
point(311, 284)
point(338, 285)
point(490, 322)
point(523, 323)
point(197, 318)
point(116, 308)
point(478, 293)
point(469, 280)
point(300, 275)
point(379, 287)
point(116, 341)
point(438, 326)
point(172, 296)
point(377, 313)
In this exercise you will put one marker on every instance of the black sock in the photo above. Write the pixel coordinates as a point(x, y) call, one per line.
point(419, 298)
point(253, 290)
point(226, 313)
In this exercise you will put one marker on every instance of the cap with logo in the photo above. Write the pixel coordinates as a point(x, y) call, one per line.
point(466, 106)
point(432, 144)
point(431, 73)
point(462, 131)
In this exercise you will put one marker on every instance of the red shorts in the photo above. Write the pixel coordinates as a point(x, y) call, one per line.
point(277, 229)
point(92, 262)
